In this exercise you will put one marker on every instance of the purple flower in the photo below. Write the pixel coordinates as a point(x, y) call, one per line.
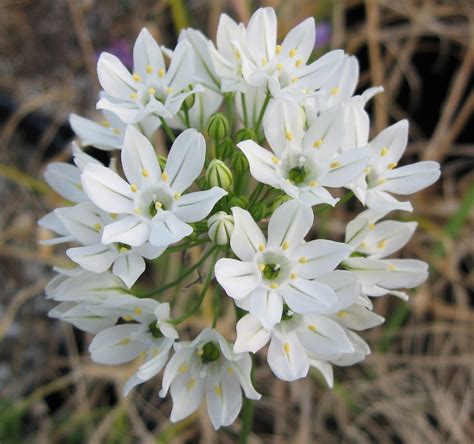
point(323, 34)
point(122, 49)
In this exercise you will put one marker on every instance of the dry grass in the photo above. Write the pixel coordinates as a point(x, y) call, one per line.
point(416, 387)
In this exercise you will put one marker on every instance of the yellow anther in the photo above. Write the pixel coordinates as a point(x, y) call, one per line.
point(334, 91)
point(183, 368)
point(293, 276)
point(113, 216)
point(371, 226)
point(158, 205)
point(199, 352)
point(288, 136)
point(218, 390)
point(292, 52)
point(382, 243)
point(155, 352)
point(261, 267)
point(278, 49)
point(313, 184)
point(298, 63)
point(273, 286)
point(151, 91)
point(275, 160)
point(176, 196)
point(116, 131)
point(149, 69)
point(169, 90)
point(142, 355)
point(164, 176)
point(137, 311)
point(137, 211)
point(237, 55)
point(362, 245)
point(161, 73)
point(367, 170)
point(384, 151)
point(317, 143)
point(285, 245)
point(341, 314)
point(97, 226)
point(279, 67)
point(133, 188)
point(381, 181)
point(137, 77)
point(127, 318)
point(230, 371)
point(123, 250)
point(335, 164)
point(391, 165)
point(264, 61)
point(124, 341)
point(191, 383)
point(312, 327)
point(261, 248)
point(303, 260)
point(133, 95)
point(294, 79)
point(391, 267)
point(145, 172)
point(105, 123)
point(286, 347)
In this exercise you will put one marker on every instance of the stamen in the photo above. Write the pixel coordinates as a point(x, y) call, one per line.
point(133, 188)
point(137, 311)
point(279, 67)
point(317, 143)
point(105, 123)
point(335, 164)
point(275, 160)
point(303, 260)
point(176, 196)
point(164, 176)
point(278, 49)
point(312, 327)
point(158, 205)
point(292, 52)
point(127, 318)
point(298, 63)
point(371, 226)
point(313, 184)
point(293, 276)
point(183, 368)
point(145, 172)
point(286, 347)
point(137, 77)
point(218, 390)
point(392, 267)
point(133, 95)
point(161, 73)
point(124, 341)
point(334, 91)
point(264, 61)
point(97, 226)
point(285, 245)
point(384, 151)
point(341, 314)
point(261, 248)
point(191, 383)
point(288, 136)
point(149, 69)
point(151, 91)
point(273, 286)
point(382, 243)
point(391, 165)
point(169, 90)
point(137, 211)
point(294, 79)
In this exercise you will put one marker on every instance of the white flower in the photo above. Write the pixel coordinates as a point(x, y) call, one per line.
point(151, 90)
point(384, 178)
point(283, 270)
point(372, 243)
point(85, 223)
point(254, 56)
point(151, 200)
point(150, 336)
point(303, 168)
point(221, 226)
point(208, 367)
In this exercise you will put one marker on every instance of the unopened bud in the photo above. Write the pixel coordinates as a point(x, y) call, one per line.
point(245, 134)
point(220, 226)
point(218, 126)
point(258, 211)
point(280, 200)
point(218, 174)
point(188, 102)
point(162, 162)
point(238, 201)
point(239, 162)
point(225, 148)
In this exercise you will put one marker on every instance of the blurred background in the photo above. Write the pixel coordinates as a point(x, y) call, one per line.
point(415, 387)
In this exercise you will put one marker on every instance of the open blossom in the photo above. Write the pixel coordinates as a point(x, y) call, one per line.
point(207, 367)
point(151, 200)
point(373, 241)
point(304, 167)
point(282, 270)
point(149, 336)
point(152, 90)
point(384, 178)
point(251, 56)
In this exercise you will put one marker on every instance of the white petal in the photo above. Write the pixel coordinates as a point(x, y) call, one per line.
point(390, 144)
point(261, 162)
point(404, 273)
point(319, 257)
point(382, 202)
point(168, 230)
point(127, 112)
point(224, 401)
point(304, 296)
point(237, 278)
point(95, 134)
point(130, 230)
point(345, 285)
point(411, 178)
point(194, 207)
point(261, 34)
point(251, 336)
point(358, 318)
point(301, 40)
point(82, 222)
point(185, 160)
point(146, 52)
point(325, 369)
point(65, 179)
point(247, 236)
point(97, 258)
point(187, 392)
point(243, 369)
point(139, 160)
point(114, 77)
point(129, 267)
point(314, 76)
point(227, 31)
point(351, 165)
point(289, 224)
point(107, 190)
point(267, 306)
point(181, 71)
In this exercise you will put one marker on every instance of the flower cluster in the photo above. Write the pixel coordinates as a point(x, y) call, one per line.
point(247, 107)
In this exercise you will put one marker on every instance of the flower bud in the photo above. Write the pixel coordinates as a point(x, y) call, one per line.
point(218, 126)
point(258, 210)
point(238, 201)
point(162, 162)
point(225, 148)
point(245, 134)
point(219, 175)
point(220, 226)
point(188, 102)
point(280, 200)
point(239, 162)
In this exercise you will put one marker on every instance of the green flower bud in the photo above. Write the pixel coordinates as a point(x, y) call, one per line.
point(219, 175)
point(225, 148)
point(258, 210)
point(239, 201)
point(220, 226)
point(245, 134)
point(188, 101)
point(218, 126)
point(239, 162)
point(200, 227)
point(162, 162)
point(209, 352)
point(280, 200)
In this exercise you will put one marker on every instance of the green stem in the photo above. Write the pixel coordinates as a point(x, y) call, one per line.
point(185, 246)
point(186, 118)
point(262, 113)
point(255, 193)
point(230, 110)
point(247, 420)
point(179, 279)
point(244, 108)
point(343, 200)
point(203, 291)
point(217, 306)
point(167, 129)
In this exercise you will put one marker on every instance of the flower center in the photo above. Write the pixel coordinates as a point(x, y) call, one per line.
point(123, 248)
point(152, 199)
point(287, 313)
point(209, 352)
point(297, 174)
point(271, 271)
point(154, 330)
